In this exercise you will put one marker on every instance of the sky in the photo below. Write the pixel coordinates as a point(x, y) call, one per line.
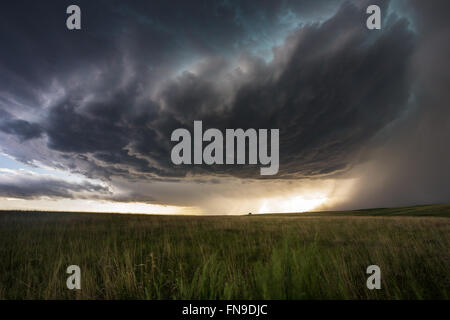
point(86, 115)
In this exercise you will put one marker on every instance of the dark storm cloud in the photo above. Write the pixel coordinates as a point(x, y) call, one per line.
point(411, 165)
point(337, 87)
point(30, 186)
point(104, 101)
point(152, 39)
point(157, 34)
point(329, 88)
point(20, 128)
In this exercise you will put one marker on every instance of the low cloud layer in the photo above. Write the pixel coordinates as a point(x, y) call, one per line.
point(27, 185)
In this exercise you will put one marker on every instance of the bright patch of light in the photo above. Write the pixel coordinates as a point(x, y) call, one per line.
point(80, 205)
point(292, 204)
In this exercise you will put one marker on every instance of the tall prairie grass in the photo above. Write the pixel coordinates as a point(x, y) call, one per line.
point(255, 257)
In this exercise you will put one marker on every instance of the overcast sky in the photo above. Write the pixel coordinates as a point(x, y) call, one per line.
point(86, 116)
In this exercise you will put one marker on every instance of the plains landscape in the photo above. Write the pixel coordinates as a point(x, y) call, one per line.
point(225, 150)
point(321, 255)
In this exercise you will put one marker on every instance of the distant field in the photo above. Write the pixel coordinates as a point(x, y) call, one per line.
point(437, 210)
point(291, 256)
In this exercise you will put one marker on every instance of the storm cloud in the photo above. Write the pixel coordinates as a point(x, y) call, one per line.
point(349, 102)
point(26, 185)
point(409, 165)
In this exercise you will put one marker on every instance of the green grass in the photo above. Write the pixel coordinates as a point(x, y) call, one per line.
point(436, 210)
point(302, 256)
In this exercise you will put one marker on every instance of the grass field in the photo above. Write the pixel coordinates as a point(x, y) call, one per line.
point(290, 256)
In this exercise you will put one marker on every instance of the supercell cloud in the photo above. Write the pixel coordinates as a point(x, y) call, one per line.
point(351, 104)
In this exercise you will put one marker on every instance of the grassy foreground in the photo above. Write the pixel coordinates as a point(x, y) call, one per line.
point(311, 256)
